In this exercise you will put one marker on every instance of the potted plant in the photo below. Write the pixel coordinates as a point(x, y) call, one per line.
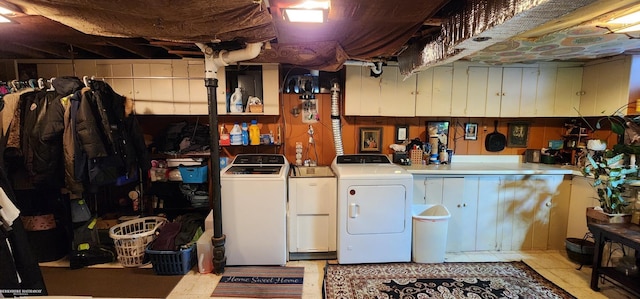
point(611, 180)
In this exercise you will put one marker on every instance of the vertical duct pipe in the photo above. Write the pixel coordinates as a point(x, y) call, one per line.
point(212, 63)
point(335, 118)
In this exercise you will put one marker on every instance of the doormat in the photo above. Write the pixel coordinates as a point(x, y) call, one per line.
point(108, 282)
point(261, 282)
point(446, 280)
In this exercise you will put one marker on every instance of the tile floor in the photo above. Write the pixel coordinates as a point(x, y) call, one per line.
point(552, 264)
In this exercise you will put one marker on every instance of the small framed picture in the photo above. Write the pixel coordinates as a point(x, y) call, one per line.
point(370, 140)
point(402, 133)
point(471, 131)
point(517, 135)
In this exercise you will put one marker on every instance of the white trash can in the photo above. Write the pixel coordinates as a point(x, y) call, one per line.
point(430, 225)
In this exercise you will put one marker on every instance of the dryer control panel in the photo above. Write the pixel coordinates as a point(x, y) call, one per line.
point(363, 159)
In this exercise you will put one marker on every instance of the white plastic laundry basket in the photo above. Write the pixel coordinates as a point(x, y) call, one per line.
point(131, 238)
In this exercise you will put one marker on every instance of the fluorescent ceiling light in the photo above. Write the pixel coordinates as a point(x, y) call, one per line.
point(629, 29)
point(631, 18)
point(4, 20)
point(301, 15)
point(5, 11)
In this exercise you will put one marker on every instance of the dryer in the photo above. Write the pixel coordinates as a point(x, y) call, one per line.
point(374, 209)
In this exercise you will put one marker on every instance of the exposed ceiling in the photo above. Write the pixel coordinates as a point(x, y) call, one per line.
point(365, 30)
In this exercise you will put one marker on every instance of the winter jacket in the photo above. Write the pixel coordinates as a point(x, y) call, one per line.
point(110, 135)
point(48, 162)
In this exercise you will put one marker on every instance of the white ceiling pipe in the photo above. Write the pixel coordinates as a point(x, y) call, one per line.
point(224, 57)
point(376, 67)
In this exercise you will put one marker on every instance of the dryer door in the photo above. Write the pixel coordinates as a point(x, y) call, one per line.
point(376, 209)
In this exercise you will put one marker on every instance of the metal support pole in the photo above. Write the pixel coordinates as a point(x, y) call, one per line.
point(218, 239)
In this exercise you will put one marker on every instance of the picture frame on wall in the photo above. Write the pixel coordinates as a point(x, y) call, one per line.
point(471, 131)
point(371, 140)
point(402, 133)
point(517, 134)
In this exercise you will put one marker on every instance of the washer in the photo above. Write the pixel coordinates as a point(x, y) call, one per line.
point(254, 209)
point(374, 209)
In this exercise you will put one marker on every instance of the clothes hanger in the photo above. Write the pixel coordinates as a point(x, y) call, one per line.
point(85, 79)
point(51, 88)
point(40, 83)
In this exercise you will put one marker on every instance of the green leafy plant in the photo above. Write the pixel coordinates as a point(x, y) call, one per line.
point(611, 179)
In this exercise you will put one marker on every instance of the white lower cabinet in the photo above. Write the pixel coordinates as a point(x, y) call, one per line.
point(526, 204)
point(499, 212)
point(583, 195)
point(312, 214)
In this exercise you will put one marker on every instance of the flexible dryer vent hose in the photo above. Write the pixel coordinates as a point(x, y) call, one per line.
point(335, 118)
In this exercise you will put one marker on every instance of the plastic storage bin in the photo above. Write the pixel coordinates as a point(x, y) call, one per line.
point(430, 226)
point(172, 262)
point(132, 237)
point(193, 174)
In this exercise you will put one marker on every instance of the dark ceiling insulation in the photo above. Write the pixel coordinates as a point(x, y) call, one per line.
point(417, 33)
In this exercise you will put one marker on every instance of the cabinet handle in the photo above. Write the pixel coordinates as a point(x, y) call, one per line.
point(412, 93)
point(503, 94)
point(497, 94)
point(464, 204)
point(548, 204)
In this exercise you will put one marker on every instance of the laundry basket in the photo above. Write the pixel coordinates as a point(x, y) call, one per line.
point(131, 238)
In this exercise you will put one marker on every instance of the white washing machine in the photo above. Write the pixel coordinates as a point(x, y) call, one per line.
point(374, 209)
point(254, 209)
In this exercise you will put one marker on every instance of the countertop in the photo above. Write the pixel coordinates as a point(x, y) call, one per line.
point(491, 165)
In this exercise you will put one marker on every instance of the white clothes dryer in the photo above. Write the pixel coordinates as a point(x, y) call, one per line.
point(374, 209)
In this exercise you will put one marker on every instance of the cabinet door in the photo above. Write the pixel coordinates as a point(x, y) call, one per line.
point(352, 88)
point(370, 92)
point(312, 224)
point(180, 70)
point(510, 92)
point(528, 92)
point(198, 98)
point(419, 189)
point(477, 92)
point(442, 90)
point(545, 91)
point(605, 86)
point(459, 96)
point(583, 195)
point(153, 96)
point(567, 93)
point(271, 89)
point(462, 204)
point(122, 82)
point(494, 92)
point(398, 99)
point(488, 195)
point(424, 93)
point(527, 205)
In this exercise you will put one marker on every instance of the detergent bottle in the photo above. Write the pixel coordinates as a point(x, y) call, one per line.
point(254, 133)
point(245, 134)
point(236, 135)
point(236, 101)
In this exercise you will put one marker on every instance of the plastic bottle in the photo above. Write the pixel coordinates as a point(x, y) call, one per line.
point(224, 136)
point(245, 134)
point(236, 135)
point(254, 133)
point(236, 101)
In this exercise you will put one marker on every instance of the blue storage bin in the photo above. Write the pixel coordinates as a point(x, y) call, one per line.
point(172, 262)
point(193, 174)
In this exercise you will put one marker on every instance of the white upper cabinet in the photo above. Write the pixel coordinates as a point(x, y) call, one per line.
point(608, 85)
point(568, 89)
point(387, 95)
point(434, 91)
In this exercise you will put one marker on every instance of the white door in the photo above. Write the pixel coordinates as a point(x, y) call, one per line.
point(376, 209)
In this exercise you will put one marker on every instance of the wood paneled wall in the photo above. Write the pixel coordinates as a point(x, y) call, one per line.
point(293, 130)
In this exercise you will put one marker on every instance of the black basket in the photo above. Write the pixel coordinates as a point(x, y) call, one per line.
point(580, 250)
